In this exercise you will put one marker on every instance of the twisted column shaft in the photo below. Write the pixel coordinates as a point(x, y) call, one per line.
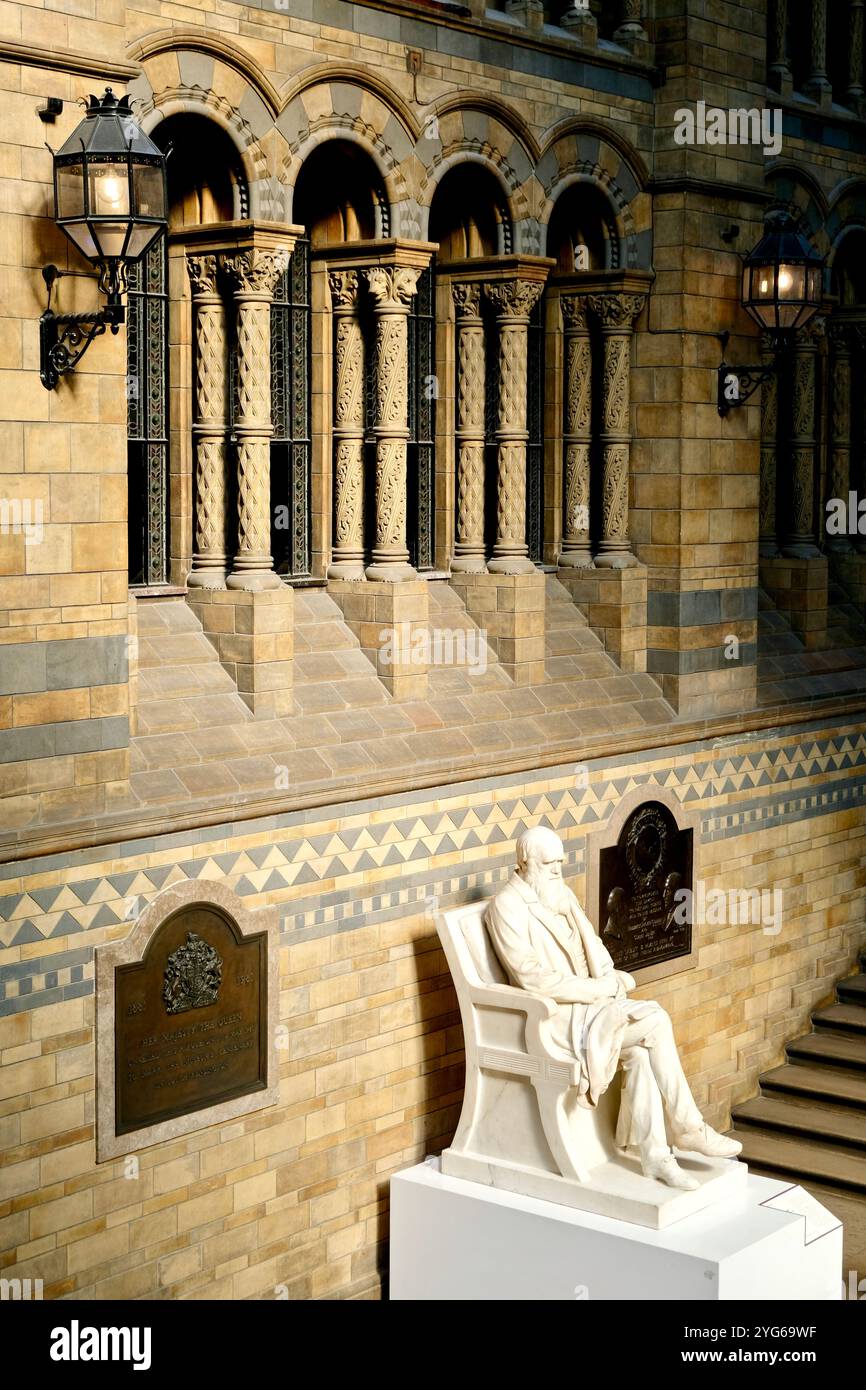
point(348, 548)
point(209, 429)
point(577, 434)
point(514, 301)
point(469, 434)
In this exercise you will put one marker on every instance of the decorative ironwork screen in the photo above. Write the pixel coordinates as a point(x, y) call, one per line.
point(147, 416)
point(291, 534)
point(423, 390)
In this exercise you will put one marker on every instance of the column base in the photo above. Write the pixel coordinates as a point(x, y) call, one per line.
point(768, 549)
point(385, 573)
point(254, 581)
point(840, 545)
point(206, 579)
point(346, 569)
point(575, 560)
point(253, 634)
point(391, 623)
point(581, 25)
point(468, 564)
point(801, 550)
point(616, 560)
point(509, 610)
point(510, 564)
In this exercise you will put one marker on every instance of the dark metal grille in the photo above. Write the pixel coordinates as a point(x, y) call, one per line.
point(291, 443)
point(423, 390)
point(535, 442)
point(147, 416)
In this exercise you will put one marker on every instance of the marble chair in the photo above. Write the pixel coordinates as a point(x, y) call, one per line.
point(519, 1109)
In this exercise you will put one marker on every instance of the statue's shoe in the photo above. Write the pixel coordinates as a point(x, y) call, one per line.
point(708, 1142)
point(668, 1171)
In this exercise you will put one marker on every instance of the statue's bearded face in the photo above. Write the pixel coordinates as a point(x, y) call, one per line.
point(543, 873)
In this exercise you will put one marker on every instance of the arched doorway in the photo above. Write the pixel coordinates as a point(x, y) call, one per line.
point(340, 199)
point(469, 218)
point(205, 185)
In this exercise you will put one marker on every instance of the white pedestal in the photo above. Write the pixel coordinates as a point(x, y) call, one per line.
point(457, 1240)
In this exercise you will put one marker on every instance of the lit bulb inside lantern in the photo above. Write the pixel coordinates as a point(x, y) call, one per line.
point(111, 191)
point(765, 286)
point(786, 280)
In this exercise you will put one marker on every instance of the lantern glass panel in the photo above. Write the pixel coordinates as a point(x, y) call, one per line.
point(80, 233)
point(108, 191)
point(140, 238)
point(149, 190)
point(111, 237)
point(70, 191)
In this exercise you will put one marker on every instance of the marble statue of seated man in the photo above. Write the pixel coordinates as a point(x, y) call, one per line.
point(547, 945)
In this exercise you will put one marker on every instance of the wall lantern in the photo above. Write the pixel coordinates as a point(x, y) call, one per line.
point(110, 198)
point(783, 285)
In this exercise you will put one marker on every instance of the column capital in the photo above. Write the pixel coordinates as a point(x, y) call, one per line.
point(344, 286)
point(575, 308)
point(514, 299)
point(467, 299)
point(203, 272)
point(393, 286)
point(616, 311)
point(256, 272)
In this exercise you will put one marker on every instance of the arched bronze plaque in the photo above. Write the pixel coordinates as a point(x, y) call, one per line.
point(190, 1019)
point(645, 914)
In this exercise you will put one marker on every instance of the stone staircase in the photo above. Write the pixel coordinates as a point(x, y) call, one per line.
point(809, 1120)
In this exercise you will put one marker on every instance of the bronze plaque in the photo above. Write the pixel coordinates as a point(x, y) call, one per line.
point(190, 1019)
point(645, 914)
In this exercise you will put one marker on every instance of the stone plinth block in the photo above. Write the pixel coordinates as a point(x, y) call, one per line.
point(509, 610)
point(253, 633)
point(614, 603)
point(761, 1239)
point(391, 622)
point(850, 570)
point(799, 588)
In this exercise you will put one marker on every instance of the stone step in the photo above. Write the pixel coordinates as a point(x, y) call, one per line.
point(814, 1121)
point(175, 649)
point(199, 712)
point(158, 617)
point(801, 1158)
point(830, 1049)
point(832, 1084)
point(852, 990)
point(844, 1018)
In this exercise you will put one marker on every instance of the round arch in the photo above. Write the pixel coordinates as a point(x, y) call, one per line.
point(582, 152)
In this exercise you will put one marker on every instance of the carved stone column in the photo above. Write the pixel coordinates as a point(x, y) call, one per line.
point(840, 423)
point(514, 301)
point(631, 33)
point(348, 548)
point(617, 313)
point(577, 434)
point(254, 275)
point(779, 73)
point(211, 422)
point(854, 90)
point(800, 542)
point(817, 85)
point(391, 288)
point(469, 434)
point(767, 543)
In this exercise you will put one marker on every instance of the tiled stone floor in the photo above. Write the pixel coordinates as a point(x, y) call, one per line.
point(787, 672)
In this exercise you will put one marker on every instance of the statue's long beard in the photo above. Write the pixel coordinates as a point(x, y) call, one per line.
point(552, 893)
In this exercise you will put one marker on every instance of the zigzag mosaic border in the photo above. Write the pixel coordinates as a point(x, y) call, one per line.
point(371, 841)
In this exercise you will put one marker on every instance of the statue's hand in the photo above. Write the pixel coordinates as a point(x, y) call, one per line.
point(626, 980)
